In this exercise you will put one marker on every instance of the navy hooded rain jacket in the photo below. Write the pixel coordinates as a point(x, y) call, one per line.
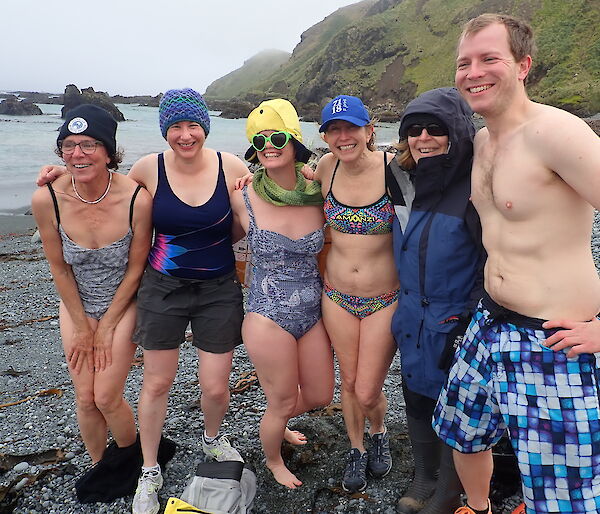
point(437, 244)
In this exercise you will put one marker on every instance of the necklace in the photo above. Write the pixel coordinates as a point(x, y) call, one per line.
point(92, 201)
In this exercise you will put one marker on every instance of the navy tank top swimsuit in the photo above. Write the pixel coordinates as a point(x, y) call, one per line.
point(191, 242)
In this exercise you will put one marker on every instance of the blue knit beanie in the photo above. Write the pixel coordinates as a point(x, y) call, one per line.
point(182, 105)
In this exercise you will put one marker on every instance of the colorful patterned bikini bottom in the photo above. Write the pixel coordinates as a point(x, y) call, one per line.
point(360, 306)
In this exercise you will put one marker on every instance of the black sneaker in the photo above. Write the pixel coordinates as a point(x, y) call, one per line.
point(355, 474)
point(380, 457)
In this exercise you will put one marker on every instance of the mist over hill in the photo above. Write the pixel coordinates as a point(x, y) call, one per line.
point(389, 51)
point(249, 76)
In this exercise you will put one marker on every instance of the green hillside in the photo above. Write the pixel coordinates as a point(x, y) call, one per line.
point(253, 71)
point(388, 51)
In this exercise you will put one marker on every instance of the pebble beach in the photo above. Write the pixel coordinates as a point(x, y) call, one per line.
point(42, 455)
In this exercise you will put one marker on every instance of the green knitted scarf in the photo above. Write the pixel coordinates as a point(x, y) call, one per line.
point(302, 194)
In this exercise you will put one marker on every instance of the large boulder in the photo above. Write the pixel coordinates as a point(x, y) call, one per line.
point(73, 97)
point(232, 109)
point(15, 107)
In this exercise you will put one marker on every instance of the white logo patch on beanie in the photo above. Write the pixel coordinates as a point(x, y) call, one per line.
point(77, 125)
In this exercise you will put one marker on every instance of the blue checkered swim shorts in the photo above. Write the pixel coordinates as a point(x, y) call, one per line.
point(504, 378)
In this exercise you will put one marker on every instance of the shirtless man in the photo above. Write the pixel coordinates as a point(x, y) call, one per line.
point(536, 180)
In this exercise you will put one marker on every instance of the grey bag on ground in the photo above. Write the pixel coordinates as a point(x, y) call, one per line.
point(222, 488)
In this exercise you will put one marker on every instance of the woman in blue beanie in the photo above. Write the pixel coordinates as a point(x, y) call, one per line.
point(190, 278)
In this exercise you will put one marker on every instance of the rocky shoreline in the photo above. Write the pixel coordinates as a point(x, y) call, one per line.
point(41, 453)
point(232, 109)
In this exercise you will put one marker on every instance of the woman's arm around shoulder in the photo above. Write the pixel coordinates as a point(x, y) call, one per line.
point(49, 173)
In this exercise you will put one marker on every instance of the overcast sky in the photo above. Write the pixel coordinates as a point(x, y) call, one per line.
point(143, 46)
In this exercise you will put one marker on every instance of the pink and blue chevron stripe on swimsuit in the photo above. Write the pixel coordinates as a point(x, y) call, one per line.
point(286, 285)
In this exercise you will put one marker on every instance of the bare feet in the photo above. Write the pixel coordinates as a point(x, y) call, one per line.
point(284, 476)
point(294, 437)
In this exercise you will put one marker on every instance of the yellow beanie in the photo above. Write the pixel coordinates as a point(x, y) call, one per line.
point(275, 114)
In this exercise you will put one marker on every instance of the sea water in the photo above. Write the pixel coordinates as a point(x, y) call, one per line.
point(28, 142)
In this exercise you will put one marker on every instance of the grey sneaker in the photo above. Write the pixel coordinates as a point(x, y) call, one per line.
point(355, 474)
point(220, 450)
point(380, 457)
point(145, 500)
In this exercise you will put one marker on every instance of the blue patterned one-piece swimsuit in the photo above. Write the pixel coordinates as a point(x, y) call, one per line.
point(286, 285)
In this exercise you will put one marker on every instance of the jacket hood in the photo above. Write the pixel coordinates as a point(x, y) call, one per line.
point(446, 104)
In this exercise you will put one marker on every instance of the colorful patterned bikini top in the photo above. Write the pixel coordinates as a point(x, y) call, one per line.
point(372, 219)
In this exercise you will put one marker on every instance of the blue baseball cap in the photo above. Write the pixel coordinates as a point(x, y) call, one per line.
point(347, 108)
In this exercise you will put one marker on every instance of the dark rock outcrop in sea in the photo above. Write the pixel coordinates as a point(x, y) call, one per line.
point(146, 100)
point(40, 97)
point(73, 97)
point(232, 108)
point(15, 107)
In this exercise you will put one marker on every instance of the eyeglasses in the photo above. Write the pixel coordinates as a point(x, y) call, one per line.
point(277, 139)
point(433, 129)
point(87, 147)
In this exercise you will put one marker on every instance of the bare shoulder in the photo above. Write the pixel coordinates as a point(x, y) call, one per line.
point(143, 170)
point(42, 207)
point(557, 135)
point(233, 166)
point(566, 145)
point(549, 124)
point(325, 168)
point(41, 198)
point(481, 137)
point(142, 211)
point(389, 156)
point(143, 199)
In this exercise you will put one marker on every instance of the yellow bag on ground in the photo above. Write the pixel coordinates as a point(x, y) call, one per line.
point(177, 506)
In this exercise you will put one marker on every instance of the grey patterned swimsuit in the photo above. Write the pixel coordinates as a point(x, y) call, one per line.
point(286, 285)
point(98, 271)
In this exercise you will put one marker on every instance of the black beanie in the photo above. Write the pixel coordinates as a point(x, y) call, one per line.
point(91, 120)
point(419, 118)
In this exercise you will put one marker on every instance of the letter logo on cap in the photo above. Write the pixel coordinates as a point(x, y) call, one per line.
point(339, 105)
point(77, 125)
